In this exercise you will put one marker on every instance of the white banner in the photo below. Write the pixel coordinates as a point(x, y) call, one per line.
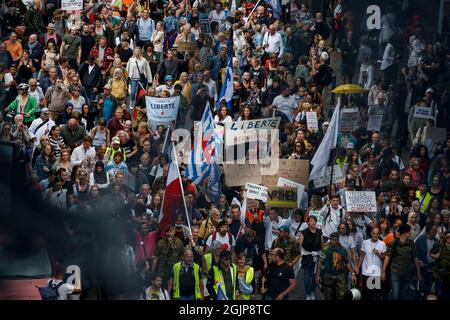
point(422, 112)
point(162, 110)
point(374, 122)
point(71, 5)
point(237, 132)
point(256, 192)
point(311, 120)
point(349, 119)
point(282, 182)
point(324, 180)
point(361, 201)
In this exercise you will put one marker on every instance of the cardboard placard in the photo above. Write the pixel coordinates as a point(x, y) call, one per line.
point(349, 119)
point(186, 46)
point(361, 201)
point(282, 197)
point(323, 181)
point(319, 217)
point(239, 174)
point(294, 170)
point(71, 5)
point(282, 182)
point(422, 112)
point(374, 122)
point(436, 134)
point(311, 121)
point(256, 192)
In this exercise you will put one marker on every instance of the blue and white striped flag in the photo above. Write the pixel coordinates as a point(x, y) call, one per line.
point(227, 88)
point(203, 151)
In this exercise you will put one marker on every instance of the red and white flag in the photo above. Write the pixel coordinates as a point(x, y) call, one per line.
point(173, 197)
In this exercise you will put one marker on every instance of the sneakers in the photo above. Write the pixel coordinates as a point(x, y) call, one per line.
point(313, 296)
point(308, 297)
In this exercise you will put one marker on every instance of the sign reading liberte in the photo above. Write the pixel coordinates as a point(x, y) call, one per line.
point(162, 110)
point(237, 132)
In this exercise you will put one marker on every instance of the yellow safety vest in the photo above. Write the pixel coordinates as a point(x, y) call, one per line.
point(425, 202)
point(208, 260)
point(176, 281)
point(218, 280)
point(249, 275)
point(113, 152)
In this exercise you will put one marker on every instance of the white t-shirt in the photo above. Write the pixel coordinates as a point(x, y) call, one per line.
point(286, 105)
point(64, 290)
point(347, 242)
point(295, 230)
point(372, 264)
point(222, 240)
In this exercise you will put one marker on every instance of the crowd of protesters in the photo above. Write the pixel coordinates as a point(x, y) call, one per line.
point(71, 99)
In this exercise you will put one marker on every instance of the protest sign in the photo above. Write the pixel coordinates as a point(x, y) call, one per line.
point(436, 134)
point(294, 170)
point(205, 26)
point(349, 119)
point(316, 213)
point(71, 5)
point(374, 122)
point(237, 132)
point(239, 174)
point(162, 110)
point(311, 120)
point(361, 201)
point(324, 180)
point(282, 197)
point(256, 192)
point(422, 112)
point(282, 182)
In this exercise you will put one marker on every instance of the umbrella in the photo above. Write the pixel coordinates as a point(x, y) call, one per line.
point(348, 89)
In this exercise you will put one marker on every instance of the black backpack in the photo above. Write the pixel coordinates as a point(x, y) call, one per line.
point(50, 292)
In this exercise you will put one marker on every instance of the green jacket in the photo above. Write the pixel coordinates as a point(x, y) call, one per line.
point(30, 107)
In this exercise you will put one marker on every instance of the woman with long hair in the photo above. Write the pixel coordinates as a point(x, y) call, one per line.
point(246, 114)
point(139, 72)
point(185, 86)
point(56, 140)
point(385, 228)
point(63, 161)
point(87, 118)
point(222, 116)
point(436, 189)
point(155, 206)
point(45, 161)
point(76, 99)
point(142, 133)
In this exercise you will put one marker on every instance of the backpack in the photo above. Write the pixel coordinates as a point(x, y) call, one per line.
point(329, 213)
point(50, 292)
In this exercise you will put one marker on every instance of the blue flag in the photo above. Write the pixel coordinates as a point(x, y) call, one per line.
point(227, 88)
point(276, 7)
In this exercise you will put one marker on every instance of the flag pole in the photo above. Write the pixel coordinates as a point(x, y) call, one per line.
point(333, 155)
point(182, 189)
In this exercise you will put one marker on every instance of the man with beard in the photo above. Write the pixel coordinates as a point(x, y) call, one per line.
point(279, 279)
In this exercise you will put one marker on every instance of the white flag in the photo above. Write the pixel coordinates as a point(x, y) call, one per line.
point(320, 159)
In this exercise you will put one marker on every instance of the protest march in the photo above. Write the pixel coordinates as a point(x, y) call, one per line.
point(226, 149)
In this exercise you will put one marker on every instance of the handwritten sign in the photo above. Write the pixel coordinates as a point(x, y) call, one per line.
point(324, 180)
point(361, 201)
point(282, 197)
point(436, 134)
point(237, 132)
point(319, 217)
point(311, 120)
point(349, 119)
point(294, 170)
point(374, 122)
point(256, 192)
point(239, 174)
point(282, 182)
point(71, 5)
point(422, 112)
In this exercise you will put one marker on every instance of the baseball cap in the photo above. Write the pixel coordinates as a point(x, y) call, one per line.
point(168, 78)
point(350, 145)
point(404, 228)
point(107, 86)
point(115, 140)
point(43, 110)
point(284, 228)
point(429, 90)
point(51, 26)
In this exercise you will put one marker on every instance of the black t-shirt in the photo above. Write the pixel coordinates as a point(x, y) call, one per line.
point(187, 281)
point(125, 54)
point(278, 279)
point(312, 241)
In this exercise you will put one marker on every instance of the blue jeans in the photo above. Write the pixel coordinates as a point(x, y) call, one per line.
point(187, 298)
point(399, 284)
point(134, 90)
point(308, 279)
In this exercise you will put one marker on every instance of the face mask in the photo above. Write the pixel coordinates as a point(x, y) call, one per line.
point(178, 225)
